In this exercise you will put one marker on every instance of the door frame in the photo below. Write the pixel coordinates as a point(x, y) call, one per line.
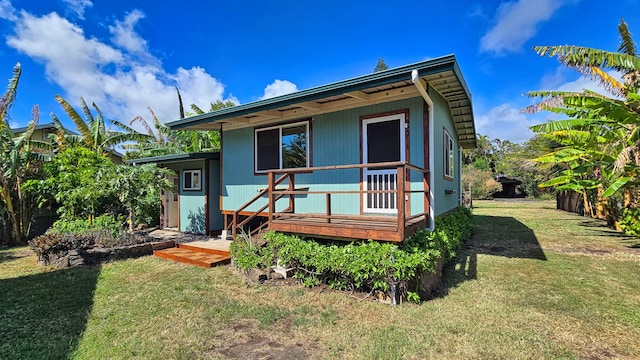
point(169, 198)
point(403, 116)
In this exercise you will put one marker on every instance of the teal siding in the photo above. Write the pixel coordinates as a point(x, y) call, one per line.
point(216, 220)
point(191, 202)
point(442, 116)
point(335, 140)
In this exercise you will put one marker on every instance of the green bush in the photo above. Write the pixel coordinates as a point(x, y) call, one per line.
point(105, 222)
point(366, 265)
point(630, 222)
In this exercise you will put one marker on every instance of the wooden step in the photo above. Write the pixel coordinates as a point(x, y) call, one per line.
point(203, 249)
point(196, 256)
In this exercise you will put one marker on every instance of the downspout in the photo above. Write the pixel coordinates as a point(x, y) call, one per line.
point(421, 86)
point(460, 176)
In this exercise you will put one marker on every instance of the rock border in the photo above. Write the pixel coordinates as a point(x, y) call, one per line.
point(96, 256)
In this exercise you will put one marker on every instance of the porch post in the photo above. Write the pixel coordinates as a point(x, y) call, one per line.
point(401, 200)
point(272, 207)
point(292, 197)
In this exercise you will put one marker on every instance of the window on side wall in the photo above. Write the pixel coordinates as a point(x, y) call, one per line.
point(282, 147)
point(192, 180)
point(449, 162)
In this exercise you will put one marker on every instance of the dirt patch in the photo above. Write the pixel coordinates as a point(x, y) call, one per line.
point(260, 347)
point(246, 340)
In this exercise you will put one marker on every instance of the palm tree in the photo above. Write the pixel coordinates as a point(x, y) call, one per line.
point(94, 133)
point(17, 158)
point(601, 137)
point(164, 141)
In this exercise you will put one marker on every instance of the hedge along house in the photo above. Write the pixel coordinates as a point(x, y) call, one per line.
point(193, 207)
point(373, 157)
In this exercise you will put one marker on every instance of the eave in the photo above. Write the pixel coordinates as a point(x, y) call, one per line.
point(441, 74)
point(173, 158)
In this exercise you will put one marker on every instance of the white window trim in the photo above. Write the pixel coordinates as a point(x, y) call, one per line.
point(403, 125)
point(190, 187)
point(448, 154)
point(279, 127)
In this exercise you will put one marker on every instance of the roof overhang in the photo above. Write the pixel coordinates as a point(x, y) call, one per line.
point(441, 74)
point(174, 158)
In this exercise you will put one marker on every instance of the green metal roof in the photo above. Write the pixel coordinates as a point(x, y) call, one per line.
point(165, 159)
point(442, 74)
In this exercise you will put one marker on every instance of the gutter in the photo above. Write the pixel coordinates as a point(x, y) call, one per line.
point(421, 86)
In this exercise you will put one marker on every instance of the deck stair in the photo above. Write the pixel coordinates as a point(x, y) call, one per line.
point(195, 254)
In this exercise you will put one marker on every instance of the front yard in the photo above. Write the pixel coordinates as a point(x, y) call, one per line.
point(533, 282)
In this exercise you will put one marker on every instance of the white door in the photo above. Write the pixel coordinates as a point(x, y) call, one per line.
point(383, 141)
point(172, 205)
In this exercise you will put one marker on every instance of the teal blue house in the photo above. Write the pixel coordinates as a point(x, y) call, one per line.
point(372, 157)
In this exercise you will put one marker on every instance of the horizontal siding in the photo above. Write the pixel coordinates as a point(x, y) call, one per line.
point(335, 141)
point(442, 116)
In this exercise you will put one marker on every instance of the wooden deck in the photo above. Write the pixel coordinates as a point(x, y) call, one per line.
point(383, 228)
point(394, 220)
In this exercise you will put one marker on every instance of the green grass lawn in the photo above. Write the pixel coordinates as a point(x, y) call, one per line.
point(532, 283)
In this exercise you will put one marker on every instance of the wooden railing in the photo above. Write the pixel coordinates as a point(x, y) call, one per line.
point(401, 191)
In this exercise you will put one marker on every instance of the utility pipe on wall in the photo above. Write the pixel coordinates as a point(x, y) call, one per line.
point(421, 86)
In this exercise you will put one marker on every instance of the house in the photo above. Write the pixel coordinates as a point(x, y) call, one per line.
point(372, 157)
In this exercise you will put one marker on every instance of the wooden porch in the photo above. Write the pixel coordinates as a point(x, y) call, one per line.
point(382, 217)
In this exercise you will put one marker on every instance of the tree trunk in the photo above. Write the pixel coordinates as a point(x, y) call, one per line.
point(14, 237)
point(600, 203)
point(587, 205)
point(132, 217)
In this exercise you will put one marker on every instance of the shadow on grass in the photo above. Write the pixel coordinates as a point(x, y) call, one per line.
point(492, 235)
point(10, 255)
point(43, 316)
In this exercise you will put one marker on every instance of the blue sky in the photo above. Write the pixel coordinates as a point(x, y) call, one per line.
point(129, 55)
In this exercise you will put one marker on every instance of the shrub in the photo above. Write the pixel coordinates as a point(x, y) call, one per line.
point(105, 222)
point(630, 222)
point(482, 183)
point(366, 265)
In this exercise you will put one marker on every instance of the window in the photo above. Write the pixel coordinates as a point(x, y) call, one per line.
point(282, 147)
point(191, 180)
point(449, 162)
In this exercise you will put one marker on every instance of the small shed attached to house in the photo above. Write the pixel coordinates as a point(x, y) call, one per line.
point(194, 205)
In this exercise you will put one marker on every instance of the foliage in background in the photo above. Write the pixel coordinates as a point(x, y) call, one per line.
point(163, 141)
point(600, 152)
point(495, 157)
point(72, 181)
point(94, 132)
point(479, 181)
point(365, 265)
point(131, 184)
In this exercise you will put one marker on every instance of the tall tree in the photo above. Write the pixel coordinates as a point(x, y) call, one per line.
point(380, 66)
point(95, 133)
point(601, 137)
point(17, 160)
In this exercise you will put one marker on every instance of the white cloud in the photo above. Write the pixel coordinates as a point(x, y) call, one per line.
point(123, 78)
point(279, 87)
point(504, 122)
point(7, 10)
point(125, 36)
point(78, 6)
point(517, 22)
